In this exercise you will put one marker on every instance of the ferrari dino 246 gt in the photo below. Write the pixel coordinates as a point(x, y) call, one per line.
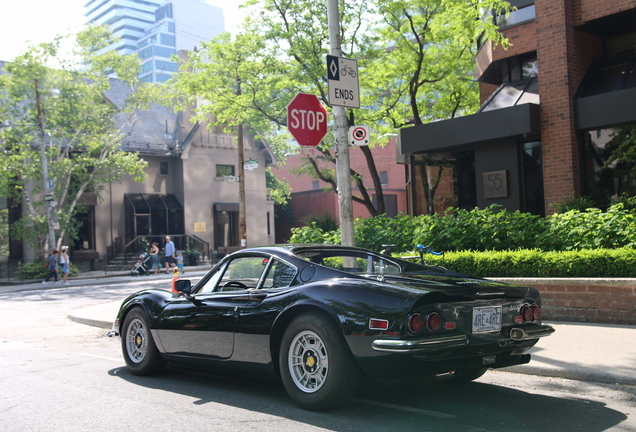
point(322, 316)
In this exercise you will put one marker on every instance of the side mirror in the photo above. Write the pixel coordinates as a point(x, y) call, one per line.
point(183, 286)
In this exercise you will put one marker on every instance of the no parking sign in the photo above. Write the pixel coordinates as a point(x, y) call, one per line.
point(359, 135)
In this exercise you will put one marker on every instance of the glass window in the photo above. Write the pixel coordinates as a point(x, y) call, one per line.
point(279, 275)
point(529, 68)
point(147, 67)
point(211, 283)
point(167, 39)
point(242, 273)
point(145, 53)
point(226, 231)
point(224, 170)
point(384, 178)
point(516, 17)
point(160, 51)
point(511, 94)
point(605, 79)
point(166, 66)
point(163, 168)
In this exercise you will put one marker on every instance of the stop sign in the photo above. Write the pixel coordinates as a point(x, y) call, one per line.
point(307, 119)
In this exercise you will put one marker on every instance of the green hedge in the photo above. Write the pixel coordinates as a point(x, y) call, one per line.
point(608, 263)
point(493, 242)
point(36, 270)
point(492, 228)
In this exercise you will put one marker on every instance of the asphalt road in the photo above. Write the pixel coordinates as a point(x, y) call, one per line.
point(59, 375)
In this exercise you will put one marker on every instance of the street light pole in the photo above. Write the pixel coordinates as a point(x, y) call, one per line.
point(48, 195)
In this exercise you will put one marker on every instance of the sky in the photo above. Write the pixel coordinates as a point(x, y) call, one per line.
point(41, 20)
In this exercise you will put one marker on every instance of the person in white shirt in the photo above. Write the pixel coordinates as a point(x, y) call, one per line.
point(65, 264)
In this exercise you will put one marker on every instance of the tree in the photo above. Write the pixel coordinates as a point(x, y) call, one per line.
point(208, 81)
point(415, 62)
point(81, 129)
point(426, 72)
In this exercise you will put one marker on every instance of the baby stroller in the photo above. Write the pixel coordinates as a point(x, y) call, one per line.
point(141, 268)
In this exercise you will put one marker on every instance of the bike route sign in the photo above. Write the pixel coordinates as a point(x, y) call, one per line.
point(342, 77)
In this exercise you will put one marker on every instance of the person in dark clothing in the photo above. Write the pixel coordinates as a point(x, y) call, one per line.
point(52, 267)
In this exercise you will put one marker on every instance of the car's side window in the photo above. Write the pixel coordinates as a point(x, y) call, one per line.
point(211, 283)
point(242, 273)
point(279, 275)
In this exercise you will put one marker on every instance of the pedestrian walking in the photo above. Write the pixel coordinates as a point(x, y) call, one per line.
point(154, 256)
point(51, 267)
point(170, 254)
point(65, 264)
point(180, 261)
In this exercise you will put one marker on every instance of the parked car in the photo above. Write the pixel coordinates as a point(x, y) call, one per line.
point(322, 316)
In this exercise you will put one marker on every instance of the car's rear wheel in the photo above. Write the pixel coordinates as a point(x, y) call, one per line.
point(317, 368)
point(139, 349)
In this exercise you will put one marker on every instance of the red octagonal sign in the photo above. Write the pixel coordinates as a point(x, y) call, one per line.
point(307, 119)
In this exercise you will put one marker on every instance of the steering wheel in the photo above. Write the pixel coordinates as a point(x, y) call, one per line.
point(235, 283)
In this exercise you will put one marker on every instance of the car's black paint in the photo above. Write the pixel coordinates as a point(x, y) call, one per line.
point(242, 329)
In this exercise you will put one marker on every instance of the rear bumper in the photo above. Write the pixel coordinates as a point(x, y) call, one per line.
point(419, 345)
point(435, 343)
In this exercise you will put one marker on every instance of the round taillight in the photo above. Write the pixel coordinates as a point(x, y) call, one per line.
point(536, 313)
point(527, 313)
point(433, 322)
point(416, 323)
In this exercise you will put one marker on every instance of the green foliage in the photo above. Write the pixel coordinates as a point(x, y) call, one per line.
point(575, 203)
point(325, 222)
point(373, 232)
point(313, 234)
point(145, 244)
point(280, 189)
point(609, 263)
point(492, 228)
point(628, 201)
point(590, 229)
point(36, 270)
point(76, 129)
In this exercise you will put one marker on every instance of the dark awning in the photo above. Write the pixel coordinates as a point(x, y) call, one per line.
point(446, 135)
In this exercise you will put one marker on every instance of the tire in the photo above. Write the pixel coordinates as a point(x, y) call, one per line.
point(464, 374)
point(317, 368)
point(139, 349)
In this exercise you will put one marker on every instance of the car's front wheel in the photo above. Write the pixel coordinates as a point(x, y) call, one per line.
point(317, 368)
point(139, 349)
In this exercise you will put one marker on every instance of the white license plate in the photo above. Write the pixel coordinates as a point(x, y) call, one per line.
point(486, 319)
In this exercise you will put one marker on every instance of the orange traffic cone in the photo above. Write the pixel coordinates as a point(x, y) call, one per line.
point(175, 278)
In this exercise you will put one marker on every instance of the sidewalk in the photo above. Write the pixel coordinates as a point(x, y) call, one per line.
point(583, 351)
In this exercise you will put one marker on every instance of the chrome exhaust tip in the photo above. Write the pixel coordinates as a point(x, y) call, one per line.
point(517, 334)
point(445, 375)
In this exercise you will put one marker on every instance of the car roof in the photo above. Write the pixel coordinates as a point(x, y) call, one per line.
point(298, 247)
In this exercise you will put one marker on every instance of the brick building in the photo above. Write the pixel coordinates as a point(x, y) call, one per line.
point(313, 197)
point(553, 106)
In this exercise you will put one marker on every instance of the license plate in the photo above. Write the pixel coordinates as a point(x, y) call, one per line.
point(486, 319)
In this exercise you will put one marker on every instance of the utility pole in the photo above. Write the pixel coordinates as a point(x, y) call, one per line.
point(241, 173)
point(341, 128)
point(48, 194)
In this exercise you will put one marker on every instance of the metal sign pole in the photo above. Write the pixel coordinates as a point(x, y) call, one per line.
point(341, 133)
